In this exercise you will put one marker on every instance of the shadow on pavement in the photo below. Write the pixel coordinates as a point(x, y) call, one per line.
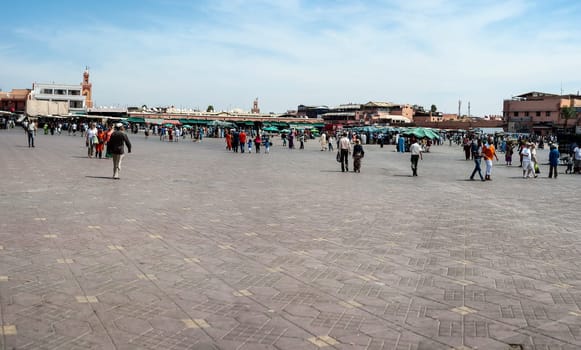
point(100, 177)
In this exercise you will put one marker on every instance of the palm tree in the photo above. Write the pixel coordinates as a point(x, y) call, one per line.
point(568, 113)
point(210, 108)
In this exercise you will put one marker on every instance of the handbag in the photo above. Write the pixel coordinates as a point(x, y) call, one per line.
point(95, 140)
point(537, 169)
point(338, 157)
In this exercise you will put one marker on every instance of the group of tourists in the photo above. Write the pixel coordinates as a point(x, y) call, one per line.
point(115, 138)
point(96, 139)
point(527, 152)
point(344, 149)
point(239, 140)
point(481, 150)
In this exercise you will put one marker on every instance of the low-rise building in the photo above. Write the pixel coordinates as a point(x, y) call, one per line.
point(540, 113)
point(313, 112)
point(14, 101)
point(387, 112)
point(77, 97)
point(69, 94)
point(347, 115)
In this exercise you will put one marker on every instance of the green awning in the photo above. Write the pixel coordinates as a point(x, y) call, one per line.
point(245, 122)
point(135, 120)
point(193, 121)
point(318, 125)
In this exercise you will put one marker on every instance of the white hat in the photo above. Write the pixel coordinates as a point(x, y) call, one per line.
point(118, 125)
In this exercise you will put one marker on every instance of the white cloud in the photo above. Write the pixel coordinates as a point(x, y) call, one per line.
point(288, 53)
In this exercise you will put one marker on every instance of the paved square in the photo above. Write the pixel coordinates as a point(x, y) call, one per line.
point(199, 248)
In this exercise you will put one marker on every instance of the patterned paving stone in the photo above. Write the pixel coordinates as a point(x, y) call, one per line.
point(199, 248)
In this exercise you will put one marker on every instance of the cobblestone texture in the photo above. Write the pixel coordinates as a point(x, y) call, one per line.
point(199, 248)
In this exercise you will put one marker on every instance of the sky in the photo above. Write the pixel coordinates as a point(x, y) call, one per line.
point(226, 53)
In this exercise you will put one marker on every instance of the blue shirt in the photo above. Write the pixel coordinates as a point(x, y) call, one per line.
point(554, 157)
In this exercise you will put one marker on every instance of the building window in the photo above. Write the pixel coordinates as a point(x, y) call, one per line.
point(60, 92)
point(538, 114)
point(526, 114)
point(74, 92)
point(46, 91)
point(515, 114)
point(76, 104)
point(548, 114)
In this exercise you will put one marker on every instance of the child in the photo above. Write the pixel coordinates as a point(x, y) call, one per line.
point(569, 165)
point(266, 141)
point(250, 144)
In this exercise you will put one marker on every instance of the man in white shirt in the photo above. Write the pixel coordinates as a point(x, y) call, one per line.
point(344, 150)
point(527, 164)
point(577, 159)
point(31, 133)
point(416, 151)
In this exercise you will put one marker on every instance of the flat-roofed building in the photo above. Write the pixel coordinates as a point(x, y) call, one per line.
point(76, 97)
point(540, 112)
point(313, 112)
point(71, 94)
point(347, 114)
point(14, 101)
point(387, 112)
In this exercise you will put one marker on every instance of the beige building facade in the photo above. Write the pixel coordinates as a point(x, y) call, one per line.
point(540, 113)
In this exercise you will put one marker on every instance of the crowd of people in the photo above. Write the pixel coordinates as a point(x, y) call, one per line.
point(477, 149)
point(347, 143)
point(240, 140)
point(111, 139)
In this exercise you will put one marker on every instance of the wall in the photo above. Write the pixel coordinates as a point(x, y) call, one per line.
point(36, 108)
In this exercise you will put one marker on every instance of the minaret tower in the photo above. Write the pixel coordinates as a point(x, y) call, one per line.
point(255, 109)
point(87, 87)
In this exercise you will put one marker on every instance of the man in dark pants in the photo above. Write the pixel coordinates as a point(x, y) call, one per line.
point(344, 149)
point(416, 151)
point(116, 146)
point(235, 141)
point(477, 156)
point(554, 157)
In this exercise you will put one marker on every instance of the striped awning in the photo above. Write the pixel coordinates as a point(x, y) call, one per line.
point(153, 120)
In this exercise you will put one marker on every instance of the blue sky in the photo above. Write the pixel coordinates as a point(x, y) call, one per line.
point(191, 54)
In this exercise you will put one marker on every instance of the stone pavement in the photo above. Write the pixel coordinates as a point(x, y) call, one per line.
point(199, 248)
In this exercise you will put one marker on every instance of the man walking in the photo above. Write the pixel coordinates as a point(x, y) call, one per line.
point(31, 133)
point(576, 160)
point(115, 146)
point(489, 153)
point(242, 138)
point(477, 156)
point(527, 167)
point(416, 151)
point(344, 149)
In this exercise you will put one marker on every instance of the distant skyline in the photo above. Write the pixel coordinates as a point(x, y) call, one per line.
point(191, 54)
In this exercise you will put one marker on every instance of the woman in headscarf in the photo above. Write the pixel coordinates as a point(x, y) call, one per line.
point(358, 154)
